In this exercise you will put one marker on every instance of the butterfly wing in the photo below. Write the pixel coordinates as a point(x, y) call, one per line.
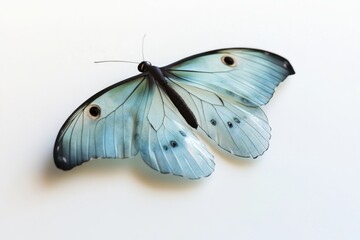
point(249, 76)
point(241, 130)
point(133, 115)
point(168, 144)
point(109, 134)
point(224, 89)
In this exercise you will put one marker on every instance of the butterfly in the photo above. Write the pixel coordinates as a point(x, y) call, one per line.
point(158, 111)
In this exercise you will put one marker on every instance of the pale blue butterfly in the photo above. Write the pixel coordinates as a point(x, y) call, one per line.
point(156, 113)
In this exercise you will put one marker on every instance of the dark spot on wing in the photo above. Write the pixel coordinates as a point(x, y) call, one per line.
point(173, 143)
point(94, 111)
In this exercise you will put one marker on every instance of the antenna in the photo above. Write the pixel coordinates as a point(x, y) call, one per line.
point(107, 61)
point(142, 50)
point(142, 47)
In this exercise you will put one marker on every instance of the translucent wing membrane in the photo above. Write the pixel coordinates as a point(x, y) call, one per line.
point(135, 115)
point(239, 129)
point(105, 126)
point(249, 76)
point(168, 144)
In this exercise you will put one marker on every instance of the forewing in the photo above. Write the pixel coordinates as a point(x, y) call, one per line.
point(241, 130)
point(168, 144)
point(248, 76)
point(109, 135)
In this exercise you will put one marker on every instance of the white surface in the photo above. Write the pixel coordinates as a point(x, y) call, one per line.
point(306, 186)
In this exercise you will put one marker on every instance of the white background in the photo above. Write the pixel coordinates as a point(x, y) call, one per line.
point(306, 186)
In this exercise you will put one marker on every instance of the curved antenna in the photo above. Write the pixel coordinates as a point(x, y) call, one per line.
point(142, 47)
point(107, 61)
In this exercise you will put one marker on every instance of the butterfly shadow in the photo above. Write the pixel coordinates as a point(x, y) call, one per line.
point(114, 168)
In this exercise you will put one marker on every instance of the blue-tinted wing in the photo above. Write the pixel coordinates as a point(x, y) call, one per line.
point(167, 142)
point(249, 76)
point(104, 126)
point(125, 118)
point(241, 130)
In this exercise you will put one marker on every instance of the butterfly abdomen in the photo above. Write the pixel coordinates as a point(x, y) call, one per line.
point(181, 106)
point(175, 98)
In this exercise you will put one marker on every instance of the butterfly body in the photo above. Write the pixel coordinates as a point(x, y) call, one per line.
point(156, 113)
point(156, 74)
